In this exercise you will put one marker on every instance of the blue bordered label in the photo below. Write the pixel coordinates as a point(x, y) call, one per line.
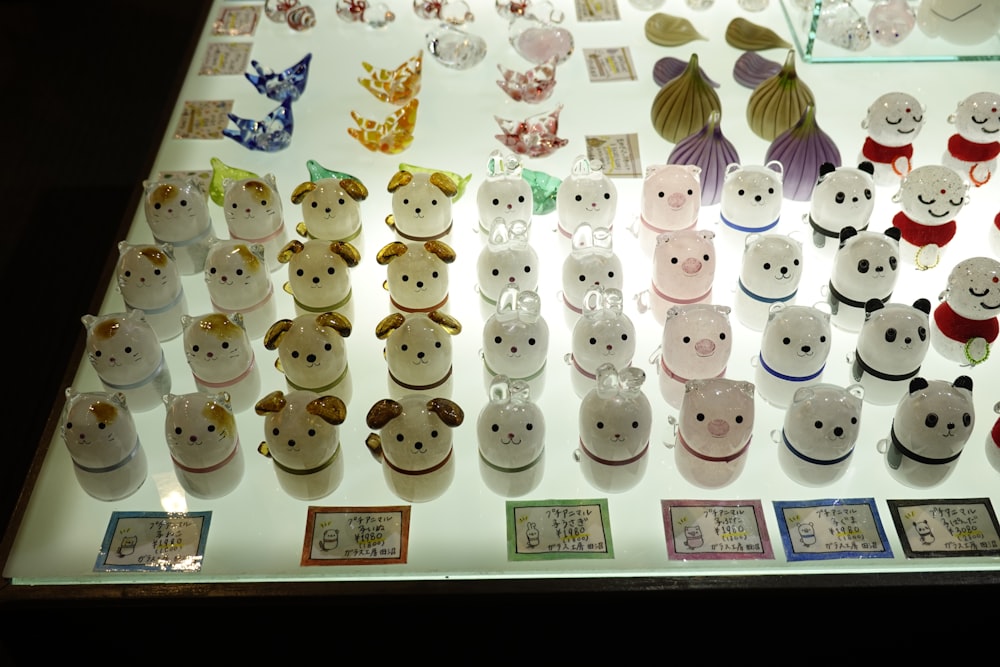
point(831, 528)
point(154, 541)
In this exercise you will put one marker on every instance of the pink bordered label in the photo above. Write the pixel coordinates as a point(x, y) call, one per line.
point(716, 530)
point(356, 536)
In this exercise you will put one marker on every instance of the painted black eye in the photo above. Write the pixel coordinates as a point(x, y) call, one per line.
point(520, 199)
point(739, 419)
point(624, 337)
point(722, 335)
point(128, 349)
point(497, 340)
point(495, 428)
point(706, 258)
point(818, 424)
point(863, 266)
point(178, 430)
point(330, 271)
point(966, 419)
point(529, 426)
point(922, 332)
point(404, 348)
point(611, 274)
point(225, 345)
point(582, 278)
point(741, 192)
point(496, 201)
point(854, 420)
point(211, 428)
point(194, 348)
point(527, 269)
point(315, 205)
point(786, 340)
point(931, 420)
point(868, 193)
point(600, 424)
point(102, 426)
point(822, 339)
point(607, 196)
point(434, 274)
point(890, 335)
point(434, 434)
point(406, 201)
point(767, 266)
point(405, 278)
point(635, 424)
point(531, 341)
point(892, 263)
point(275, 431)
point(295, 354)
point(700, 416)
point(686, 339)
point(673, 260)
point(434, 202)
point(311, 432)
point(328, 347)
point(578, 198)
point(839, 197)
point(437, 344)
point(796, 262)
point(593, 341)
point(340, 201)
point(399, 437)
point(495, 272)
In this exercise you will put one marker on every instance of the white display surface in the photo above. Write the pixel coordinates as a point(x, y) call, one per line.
point(257, 531)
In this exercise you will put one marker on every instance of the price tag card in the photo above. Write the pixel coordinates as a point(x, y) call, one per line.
point(833, 528)
point(614, 64)
point(234, 21)
point(155, 541)
point(225, 58)
point(203, 119)
point(715, 530)
point(554, 529)
point(356, 536)
point(946, 528)
point(597, 10)
point(202, 175)
point(618, 153)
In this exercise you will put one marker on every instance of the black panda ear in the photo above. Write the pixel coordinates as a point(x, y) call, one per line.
point(923, 305)
point(917, 383)
point(894, 233)
point(871, 305)
point(846, 233)
point(963, 382)
point(826, 168)
point(867, 166)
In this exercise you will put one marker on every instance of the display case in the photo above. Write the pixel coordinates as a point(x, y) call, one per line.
point(473, 532)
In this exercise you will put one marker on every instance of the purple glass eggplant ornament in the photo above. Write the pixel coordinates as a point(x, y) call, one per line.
point(801, 149)
point(709, 149)
point(279, 86)
point(270, 134)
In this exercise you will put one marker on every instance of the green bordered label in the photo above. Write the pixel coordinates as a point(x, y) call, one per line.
point(555, 529)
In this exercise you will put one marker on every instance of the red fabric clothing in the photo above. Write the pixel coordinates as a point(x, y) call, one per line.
point(920, 235)
point(962, 329)
point(970, 151)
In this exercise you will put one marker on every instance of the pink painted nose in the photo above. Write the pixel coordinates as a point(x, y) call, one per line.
point(691, 266)
point(704, 348)
point(718, 427)
point(676, 200)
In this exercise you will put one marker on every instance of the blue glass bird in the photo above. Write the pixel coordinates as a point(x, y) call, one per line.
point(272, 133)
point(280, 86)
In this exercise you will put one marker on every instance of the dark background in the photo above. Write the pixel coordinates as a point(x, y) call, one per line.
point(87, 91)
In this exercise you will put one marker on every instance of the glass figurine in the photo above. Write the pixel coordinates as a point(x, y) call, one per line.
point(200, 430)
point(537, 38)
point(965, 321)
point(532, 86)
point(865, 266)
point(220, 172)
point(891, 21)
point(254, 215)
point(100, 434)
point(279, 86)
point(587, 195)
point(269, 134)
point(392, 135)
point(302, 439)
point(331, 209)
point(418, 351)
point(930, 197)
point(374, 15)
point(506, 259)
point(696, 343)
point(460, 181)
point(770, 272)
point(301, 18)
point(683, 271)
point(993, 441)
point(932, 423)
point(592, 262)
point(504, 193)
point(893, 121)
point(455, 48)
point(150, 280)
point(842, 197)
point(511, 435)
point(534, 136)
point(973, 148)
point(319, 275)
point(671, 200)
point(713, 431)
point(414, 444)
point(516, 338)
point(616, 420)
point(820, 430)
point(751, 197)
point(455, 12)
point(963, 22)
point(312, 354)
point(396, 86)
point(221, 358)
point(841, 25)
point(794, 348)
point(417, 275)
point(891, 346)
point(544, 190)
point(177, 213)
point(604, 334)
point(126, 354)
point(277, 10)
point(421, 205)
point(238, 281)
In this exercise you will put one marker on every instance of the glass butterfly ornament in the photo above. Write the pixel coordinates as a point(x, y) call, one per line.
point(393, 135)
point(278, 86)
point(397, 86)
point(535, 136)
point(271, 133)
point(532, 86)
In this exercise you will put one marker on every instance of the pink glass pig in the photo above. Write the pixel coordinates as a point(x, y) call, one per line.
point(714, 428)
point(683, 271)
point(696, 343)
point(671, 200)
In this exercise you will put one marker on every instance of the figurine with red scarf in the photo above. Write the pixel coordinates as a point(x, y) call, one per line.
point(930, 196)
point(973, 149)
point(965, 324)
point(893, 121)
